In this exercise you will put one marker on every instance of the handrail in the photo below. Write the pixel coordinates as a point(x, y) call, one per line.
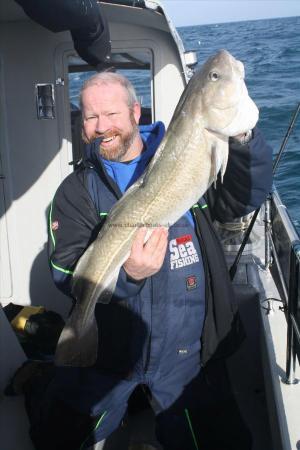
point(283, 243)
point(278, 267)
point(293, 331)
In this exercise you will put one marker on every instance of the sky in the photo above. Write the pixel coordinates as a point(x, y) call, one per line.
point(197, 12)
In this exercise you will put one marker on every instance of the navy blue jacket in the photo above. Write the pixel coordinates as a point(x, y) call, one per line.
point(188, 306)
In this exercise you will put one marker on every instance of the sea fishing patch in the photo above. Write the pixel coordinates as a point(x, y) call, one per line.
point(191, 282)
point(182, 252)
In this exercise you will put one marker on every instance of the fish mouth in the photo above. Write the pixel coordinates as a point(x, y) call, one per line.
point(244, 118)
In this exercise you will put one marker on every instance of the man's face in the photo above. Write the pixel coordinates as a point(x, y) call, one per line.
point(106, 114)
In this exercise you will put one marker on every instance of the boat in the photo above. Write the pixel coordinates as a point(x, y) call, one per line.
point(40, 145)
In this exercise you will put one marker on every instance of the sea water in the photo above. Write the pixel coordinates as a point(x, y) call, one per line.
point(270, 51)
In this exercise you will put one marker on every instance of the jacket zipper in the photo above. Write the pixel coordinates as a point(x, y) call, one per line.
point(197, 220)
point(148, 350)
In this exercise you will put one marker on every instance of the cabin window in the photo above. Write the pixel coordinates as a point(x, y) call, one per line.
point(137, 66)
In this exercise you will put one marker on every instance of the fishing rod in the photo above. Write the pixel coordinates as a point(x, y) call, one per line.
point(233, 268)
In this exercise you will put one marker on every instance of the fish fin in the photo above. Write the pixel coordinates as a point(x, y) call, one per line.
point(215, 164)
point(148, 234)
point(225, 152)
point(102, 292)
point(78, 344)
point(105, 294)
point(219, 156)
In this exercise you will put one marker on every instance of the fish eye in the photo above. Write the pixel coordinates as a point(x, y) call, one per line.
point(213, 76)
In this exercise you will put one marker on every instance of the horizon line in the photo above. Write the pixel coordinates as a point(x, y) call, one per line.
point(235, 21)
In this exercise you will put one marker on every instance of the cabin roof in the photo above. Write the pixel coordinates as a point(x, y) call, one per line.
point(10, 11)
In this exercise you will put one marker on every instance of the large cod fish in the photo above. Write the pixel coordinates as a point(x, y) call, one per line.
point(214, 106)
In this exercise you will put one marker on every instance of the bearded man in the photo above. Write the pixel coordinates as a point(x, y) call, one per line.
point(160, 329)
point(111, 113)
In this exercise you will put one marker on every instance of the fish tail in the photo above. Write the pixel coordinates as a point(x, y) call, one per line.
point(77, 347)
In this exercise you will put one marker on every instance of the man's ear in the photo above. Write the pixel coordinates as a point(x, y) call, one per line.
point(137, 112)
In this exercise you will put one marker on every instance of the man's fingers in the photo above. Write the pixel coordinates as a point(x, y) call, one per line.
point(138, 242)
point(146, 259)
point(162, 243)
point(161, 249)
point(155, 246)
point(157, 242)
point(154, 239)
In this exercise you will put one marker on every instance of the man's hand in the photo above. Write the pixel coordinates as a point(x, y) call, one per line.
point(243, 138)
point(146, 259)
